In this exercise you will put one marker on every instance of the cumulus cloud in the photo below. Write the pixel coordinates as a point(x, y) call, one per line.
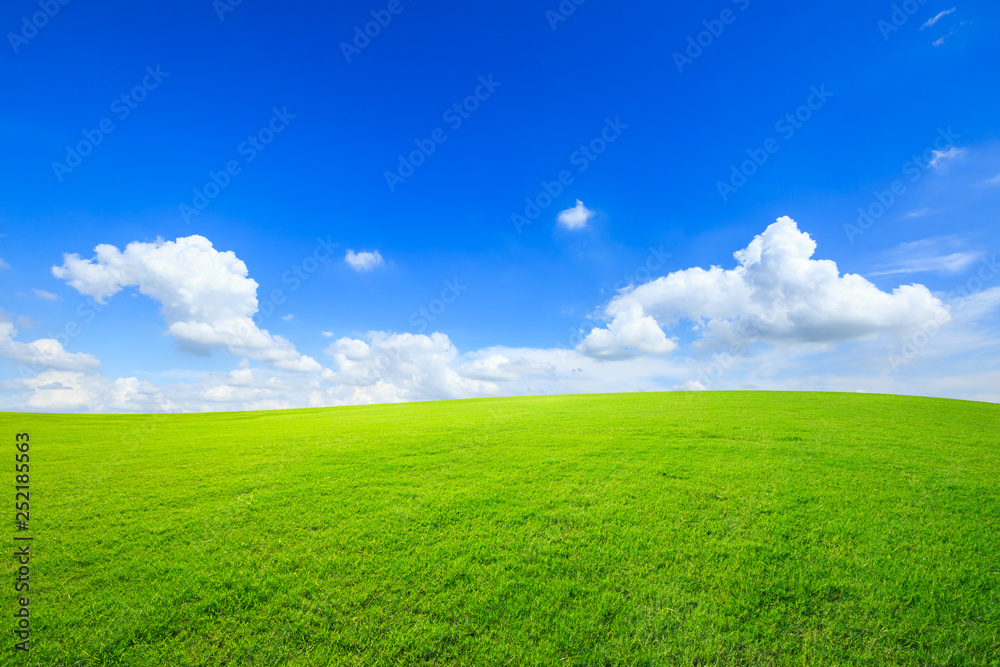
point(575, 217)
point(363, 261)
point(776, 293)
point(629, 334)
point(41, 354)
point(207, 298)
point(401, 367)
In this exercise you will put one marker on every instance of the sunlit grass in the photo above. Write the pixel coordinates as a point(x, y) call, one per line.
point(628, 529)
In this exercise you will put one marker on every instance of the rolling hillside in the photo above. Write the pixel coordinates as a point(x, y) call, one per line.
point(745, 528)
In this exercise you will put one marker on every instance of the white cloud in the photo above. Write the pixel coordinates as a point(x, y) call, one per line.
point(397, 367)
point(498, 368)
point(42, 294)
point(937, 18)
point(941, 40)
point(60, 391)
point(928, 256)
point(795, 305)
point(970, 308)
point(575, 217)
point(991, 181)
point(288, 318)
point(947, 155)
point(950, 263)
point(41, 354)
point(363, 261)
point(776, 293)
point(691, 385)
point(3, 264)
point(629, 334)
point(208, 300)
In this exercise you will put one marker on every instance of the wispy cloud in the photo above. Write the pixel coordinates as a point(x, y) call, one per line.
point(42, 294)
point(937, 18)
point(940, 40)
point(22, 321)
point(947, 155)
point(327, 334)
point(919, 213)
point(991, 181)
point(3, 264)
point(364, 261)
point(26, 322)
point(288, 318)
point(941, 254)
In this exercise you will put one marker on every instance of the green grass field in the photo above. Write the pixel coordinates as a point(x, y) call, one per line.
point(746, 528)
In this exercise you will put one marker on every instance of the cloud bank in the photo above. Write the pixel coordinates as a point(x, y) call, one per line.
point(41, 354)
point(795, 322)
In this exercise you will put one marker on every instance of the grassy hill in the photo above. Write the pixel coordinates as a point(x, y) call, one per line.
point(628, 529)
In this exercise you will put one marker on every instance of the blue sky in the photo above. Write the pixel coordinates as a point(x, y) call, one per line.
point(685, 133)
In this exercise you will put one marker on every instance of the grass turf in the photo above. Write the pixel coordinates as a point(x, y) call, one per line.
point(746, 528)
